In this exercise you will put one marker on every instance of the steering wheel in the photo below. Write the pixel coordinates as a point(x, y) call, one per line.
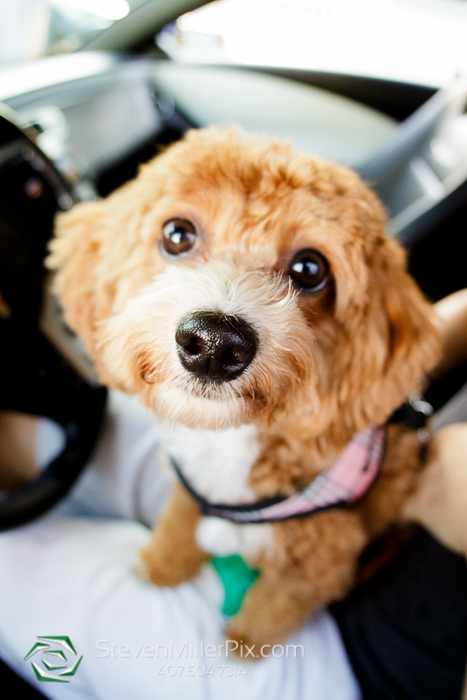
point(35, 378)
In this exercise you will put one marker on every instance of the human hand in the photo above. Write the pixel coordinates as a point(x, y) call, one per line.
point(440, 500)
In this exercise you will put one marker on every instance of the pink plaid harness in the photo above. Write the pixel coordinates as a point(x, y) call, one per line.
point(342, 484)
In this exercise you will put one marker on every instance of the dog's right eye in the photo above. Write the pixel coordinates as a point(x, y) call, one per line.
point(178, 237)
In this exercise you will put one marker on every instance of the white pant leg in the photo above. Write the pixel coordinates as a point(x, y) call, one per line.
point(74, 577)
point(125, 477)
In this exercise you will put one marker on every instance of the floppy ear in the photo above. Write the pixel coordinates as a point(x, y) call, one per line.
point(414, 341)
point(392, 341)
point(94, 245)
point(75, 254)
point(403, 340)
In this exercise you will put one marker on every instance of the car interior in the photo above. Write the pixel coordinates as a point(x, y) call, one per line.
point(75, 127)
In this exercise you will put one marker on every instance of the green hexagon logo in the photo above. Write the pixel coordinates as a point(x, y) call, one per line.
point(56, 667)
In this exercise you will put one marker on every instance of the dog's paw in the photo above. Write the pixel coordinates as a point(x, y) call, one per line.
point(168, 566)
point(246, 644)
point(159, 570)
point(239, 646)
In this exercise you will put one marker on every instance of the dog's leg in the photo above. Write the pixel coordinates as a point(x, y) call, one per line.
point(173, 555)
point(316, 565)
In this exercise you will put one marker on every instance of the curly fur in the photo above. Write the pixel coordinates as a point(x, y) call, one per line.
point(328, 364)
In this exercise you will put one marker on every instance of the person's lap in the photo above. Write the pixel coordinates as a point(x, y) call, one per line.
point(73, 573)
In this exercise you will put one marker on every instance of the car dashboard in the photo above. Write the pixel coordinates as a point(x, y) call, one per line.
point(108, 107)
point(95, 116)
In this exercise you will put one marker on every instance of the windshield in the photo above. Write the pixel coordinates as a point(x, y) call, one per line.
point(419, 41)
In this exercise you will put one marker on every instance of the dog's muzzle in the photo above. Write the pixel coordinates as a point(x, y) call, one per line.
point(215, 347)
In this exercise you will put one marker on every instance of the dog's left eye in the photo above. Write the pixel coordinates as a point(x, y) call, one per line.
point(309, 270)
point(178, 237)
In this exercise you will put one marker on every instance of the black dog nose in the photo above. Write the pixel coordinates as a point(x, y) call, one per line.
point(214, 346)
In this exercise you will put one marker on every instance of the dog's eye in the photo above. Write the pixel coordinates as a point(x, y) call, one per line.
point(309, 270)
point(178, 237)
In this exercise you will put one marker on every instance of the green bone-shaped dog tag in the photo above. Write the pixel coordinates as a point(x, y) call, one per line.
point(236, 577)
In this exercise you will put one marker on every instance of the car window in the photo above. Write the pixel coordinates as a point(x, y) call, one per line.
point(418, 41)
point(30, 29)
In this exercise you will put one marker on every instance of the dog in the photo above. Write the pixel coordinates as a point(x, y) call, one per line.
point(252, 299)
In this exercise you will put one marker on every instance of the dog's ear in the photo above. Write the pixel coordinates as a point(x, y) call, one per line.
point(75, 254)
point(402, 338)
point(101, 258)
point(414, 342)
point(93, 243)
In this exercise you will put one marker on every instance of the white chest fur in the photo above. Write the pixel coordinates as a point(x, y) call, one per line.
point(217, 463)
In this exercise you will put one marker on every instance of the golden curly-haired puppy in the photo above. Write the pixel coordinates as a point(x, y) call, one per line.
point(252, 299)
